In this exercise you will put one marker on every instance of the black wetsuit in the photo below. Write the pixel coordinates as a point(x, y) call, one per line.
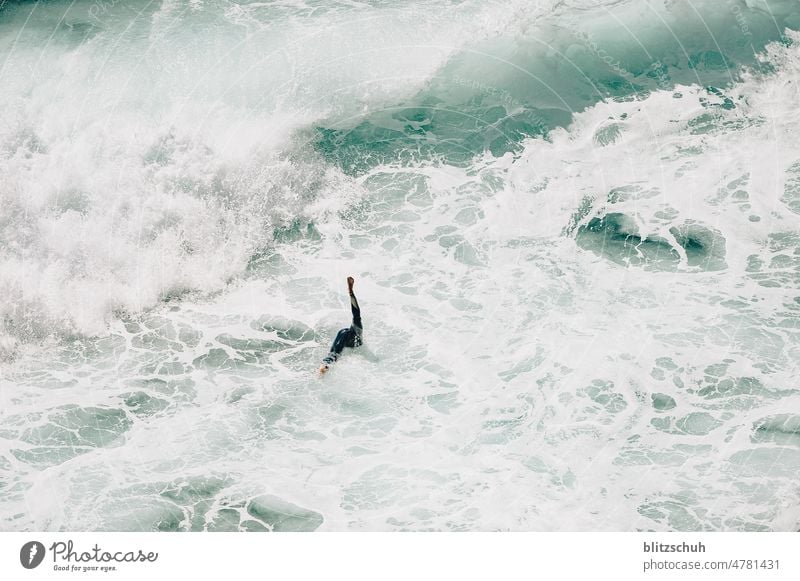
point(350, 337)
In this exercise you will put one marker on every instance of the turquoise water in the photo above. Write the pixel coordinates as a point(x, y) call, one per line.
point(574, 231)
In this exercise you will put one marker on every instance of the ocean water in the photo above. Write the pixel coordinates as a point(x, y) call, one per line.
point(574, 228)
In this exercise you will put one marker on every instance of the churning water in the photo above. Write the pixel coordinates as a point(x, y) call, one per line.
point(574, 228)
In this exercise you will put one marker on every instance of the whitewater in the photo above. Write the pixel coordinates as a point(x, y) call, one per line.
point(574, 228)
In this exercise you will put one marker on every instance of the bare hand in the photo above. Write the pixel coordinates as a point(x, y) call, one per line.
point(350, 282)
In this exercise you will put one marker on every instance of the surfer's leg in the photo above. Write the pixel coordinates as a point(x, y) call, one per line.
point(339, 343)
point(357, 326)
point(356, 313)
point(344, 338)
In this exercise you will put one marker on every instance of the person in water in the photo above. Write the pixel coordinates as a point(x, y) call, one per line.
point(350, 337)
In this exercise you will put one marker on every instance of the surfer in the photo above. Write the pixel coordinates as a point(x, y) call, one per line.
point(350, 337)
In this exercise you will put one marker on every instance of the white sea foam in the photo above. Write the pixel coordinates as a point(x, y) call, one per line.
point(533, 364)
point(140, 159)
